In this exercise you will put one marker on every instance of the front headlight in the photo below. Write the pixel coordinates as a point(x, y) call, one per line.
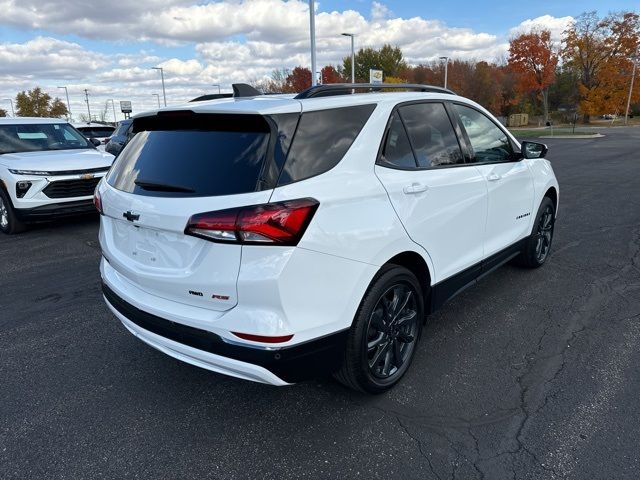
point(29, 172)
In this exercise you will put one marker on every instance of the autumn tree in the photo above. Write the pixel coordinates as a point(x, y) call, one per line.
point(388, 59)
point(533, 58)
point(599, 51)
point(36, 103)
point(298, 80)
point(331, 75)
point(3, 113)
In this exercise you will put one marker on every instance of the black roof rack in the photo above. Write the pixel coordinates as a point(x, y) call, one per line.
point(331, 89)
point(211, 96)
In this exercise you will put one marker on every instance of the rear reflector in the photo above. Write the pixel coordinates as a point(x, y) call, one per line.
point(263, 339)
point(281, 223)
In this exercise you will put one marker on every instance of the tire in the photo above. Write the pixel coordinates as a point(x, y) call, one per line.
point(9, 222)
point(538, 244)
point(383, 338)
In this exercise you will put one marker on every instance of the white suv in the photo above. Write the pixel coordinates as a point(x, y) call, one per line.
point(47, 168)
point(277, 238)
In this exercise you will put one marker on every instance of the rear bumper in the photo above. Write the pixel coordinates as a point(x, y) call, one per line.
point(52, 210)
point(275, 366)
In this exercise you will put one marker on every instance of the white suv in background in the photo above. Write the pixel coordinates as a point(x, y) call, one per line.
point(277, 238)
point(47, 169)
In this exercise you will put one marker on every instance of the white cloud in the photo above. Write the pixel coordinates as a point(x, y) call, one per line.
point(44, 56)
point(232, 41)
point(556, 25)
point(380, 11)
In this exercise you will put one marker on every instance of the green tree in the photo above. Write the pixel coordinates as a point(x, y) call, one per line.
point(36, 103)
point(388, 59)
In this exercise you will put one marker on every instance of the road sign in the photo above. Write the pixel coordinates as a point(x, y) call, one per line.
point(125, 107)
point(375, 76)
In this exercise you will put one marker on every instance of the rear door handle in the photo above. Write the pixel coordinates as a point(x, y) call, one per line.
point(493, 177)
point(415, 188)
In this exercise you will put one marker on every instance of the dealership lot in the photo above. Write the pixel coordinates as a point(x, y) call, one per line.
point(529, 374)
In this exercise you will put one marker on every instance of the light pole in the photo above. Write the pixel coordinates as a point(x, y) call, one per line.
point(164, 93)
point(13, 113)
point(446, 69)
point(312, 28)
point(157, 95)
point(216, 85)
point(86, 99)
point(68, 104)
point(113, 105)
point(353, 57)
point(633, 78)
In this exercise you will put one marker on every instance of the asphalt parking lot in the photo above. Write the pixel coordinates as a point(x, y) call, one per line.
point(528, 375)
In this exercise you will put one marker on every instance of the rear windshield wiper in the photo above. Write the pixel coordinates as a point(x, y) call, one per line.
point(162, 187)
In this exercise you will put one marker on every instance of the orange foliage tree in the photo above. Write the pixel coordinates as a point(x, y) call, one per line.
point(600, 52)
point(331, 75)
point(533, 59)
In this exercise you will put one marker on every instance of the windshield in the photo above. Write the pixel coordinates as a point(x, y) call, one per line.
point(40, 137)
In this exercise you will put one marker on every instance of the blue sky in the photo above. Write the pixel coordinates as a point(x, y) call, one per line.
point(110, 51)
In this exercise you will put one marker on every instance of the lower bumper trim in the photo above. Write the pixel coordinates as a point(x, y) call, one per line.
point(52, 210)
point(292, 364)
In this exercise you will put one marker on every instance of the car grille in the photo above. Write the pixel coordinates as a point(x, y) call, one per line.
point(71, 188)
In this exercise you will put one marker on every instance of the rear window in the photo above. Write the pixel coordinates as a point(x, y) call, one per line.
point(193, 155)
point(321, 140)
point(96, 132)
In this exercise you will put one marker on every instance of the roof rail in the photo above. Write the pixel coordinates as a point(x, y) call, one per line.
point(331, 89)
point(244, 90)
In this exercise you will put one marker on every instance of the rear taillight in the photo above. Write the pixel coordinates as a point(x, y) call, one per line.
point(281, 223)
point(97, 201)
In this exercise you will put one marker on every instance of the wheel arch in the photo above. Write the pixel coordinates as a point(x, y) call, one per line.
point(416, 264)
point(552, 194)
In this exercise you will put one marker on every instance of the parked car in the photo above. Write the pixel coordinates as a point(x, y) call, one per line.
point(98, 131)
point(118, 138)
point(278, 238)
point(47, 169)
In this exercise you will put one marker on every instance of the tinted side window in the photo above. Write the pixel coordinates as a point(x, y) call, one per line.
point(489, 143)
point(321, 140)
point(431, 133)
point(397, 149)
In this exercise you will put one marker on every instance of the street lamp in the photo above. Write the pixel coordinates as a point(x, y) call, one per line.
point(446, 69)
point(353, 57)
point(68, 104)
point(13, 113)
point(86, 99)
point(634, 59)
point(157, 95)
point(216, 85)
point(312, 28)
point(164, 93)
point(113, 105)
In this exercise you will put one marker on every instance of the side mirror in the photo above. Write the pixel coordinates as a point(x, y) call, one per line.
point(95, 142)
point(533, 150)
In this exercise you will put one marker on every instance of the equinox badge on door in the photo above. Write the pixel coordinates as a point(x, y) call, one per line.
point(132, 217)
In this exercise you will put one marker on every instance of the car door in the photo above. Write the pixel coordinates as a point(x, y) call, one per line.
point(441, 202)
point(509, 180)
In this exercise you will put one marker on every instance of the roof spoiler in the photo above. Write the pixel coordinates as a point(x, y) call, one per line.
point(243, 90)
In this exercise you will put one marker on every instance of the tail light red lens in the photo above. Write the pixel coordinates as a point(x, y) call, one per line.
point(281, 223)
point(97, 201)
